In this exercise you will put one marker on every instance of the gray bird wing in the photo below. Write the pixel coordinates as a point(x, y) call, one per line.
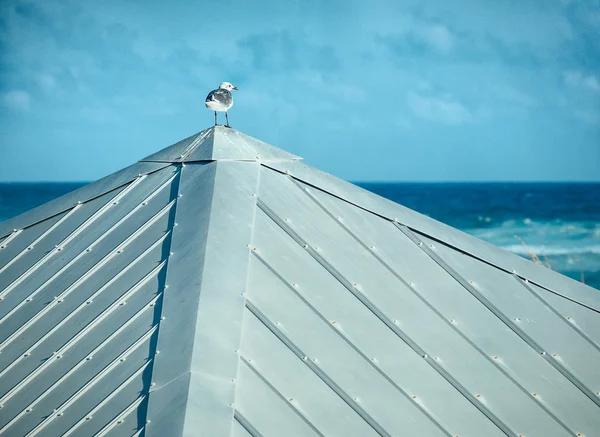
point(221, 96)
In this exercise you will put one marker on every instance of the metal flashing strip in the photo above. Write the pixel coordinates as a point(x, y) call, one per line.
point(306, 181)
point(280, 396)
point(451, 325)
point(14, 234)
point(246, 424)
point(389, 323)
point(353, 346)
point(352, 403)
point(509, 323)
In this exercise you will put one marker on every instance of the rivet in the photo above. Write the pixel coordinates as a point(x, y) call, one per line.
point(122, 359)
point(395, 322)
point(420, 243)
point(58, 356)
point(79, 202)
point(59, 249)
point(496, 357)
point(414, 397)
point(166, 285)
point(151, 304)
point(471, 282)
point(88, 250)
point(304, 358)
point(478, 396)
point(88, 358)
point(395, 220)
point(29, 299)
point(157, 352)
point(355, 284)
point(338, 218)
point(535, 395)
point(122, 303)
point(374, 359)
point(568, 318)
point(180, 195)
point(233, 380)
point(144, 203)
point(120, 421)
point(28, 410)
point(295, 285)
point(175, 224)
point(334, 322)
point(452, 321)
point(87, 302)
point(579, 434)
point(171, 253)
point(555, 355)
point(291, 399)
point(253, 195)
point(1, 405)
point(237, 351)
point(314, 360)
point(543, 352)
point(431, 246)
point(412, 284)
point(148, 421)
point(163, 318)
point(355, 399)
point(277, 323)
point(372, 247)
point(88, 417)
point(114, 203)
point(425, 356)
point(254, 249)
point(60, 414)
point(305, 246)
point(517, 319)
point(29, 248)
point(152, 384)
point(120, 251)
point(26, 354)
point(514, 271)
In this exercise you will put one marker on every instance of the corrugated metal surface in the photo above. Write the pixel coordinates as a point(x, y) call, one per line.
point(230, 290)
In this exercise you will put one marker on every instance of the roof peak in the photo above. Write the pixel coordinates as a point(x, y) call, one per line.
point(220, 143)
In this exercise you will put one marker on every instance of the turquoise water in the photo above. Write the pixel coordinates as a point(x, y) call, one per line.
point(560, 222)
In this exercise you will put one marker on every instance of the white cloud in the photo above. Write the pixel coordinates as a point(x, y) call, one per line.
point(577, 78)
point(17, 99)
point(437, 109)
point(437, 37)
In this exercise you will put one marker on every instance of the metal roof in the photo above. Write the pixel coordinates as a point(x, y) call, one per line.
point(221, 287)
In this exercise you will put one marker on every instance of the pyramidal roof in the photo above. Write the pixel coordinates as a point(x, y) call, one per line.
point(221, 287)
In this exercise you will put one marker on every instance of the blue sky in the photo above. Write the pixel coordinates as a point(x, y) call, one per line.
point(454, 90)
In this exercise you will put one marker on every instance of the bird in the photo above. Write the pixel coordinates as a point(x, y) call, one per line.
point(220, 100)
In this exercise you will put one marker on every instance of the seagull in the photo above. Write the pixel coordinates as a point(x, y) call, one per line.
point(220, 100)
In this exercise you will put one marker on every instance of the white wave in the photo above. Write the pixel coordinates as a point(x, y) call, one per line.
point(550, 250)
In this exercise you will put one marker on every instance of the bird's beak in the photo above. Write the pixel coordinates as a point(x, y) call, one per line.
point(235, 88)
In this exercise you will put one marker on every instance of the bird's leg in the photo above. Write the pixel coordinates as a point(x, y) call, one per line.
point(227, 118)
point(215, 118)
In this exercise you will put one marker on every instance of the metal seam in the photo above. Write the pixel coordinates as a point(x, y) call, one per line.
point(107, 399)
point(52, 304)
point(110, 190)
point(246, 424)
point(472, 255)
point(555, 311)
point(317, 370)
point(426, 413)
point(546, 409)
point(79, 336)
point(107, 206)
point(101, 263)
point(280, 396)
point(98, 377)
point(367, 303)
point(490, 306)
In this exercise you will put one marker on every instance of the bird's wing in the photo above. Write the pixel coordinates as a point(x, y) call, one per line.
point(211, 97)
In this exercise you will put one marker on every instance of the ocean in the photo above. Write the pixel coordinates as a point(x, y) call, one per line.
point(558, 222)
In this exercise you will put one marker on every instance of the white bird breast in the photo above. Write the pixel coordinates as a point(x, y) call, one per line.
point(218, 106)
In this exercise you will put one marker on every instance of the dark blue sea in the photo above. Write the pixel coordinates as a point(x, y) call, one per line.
point(559, 222)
